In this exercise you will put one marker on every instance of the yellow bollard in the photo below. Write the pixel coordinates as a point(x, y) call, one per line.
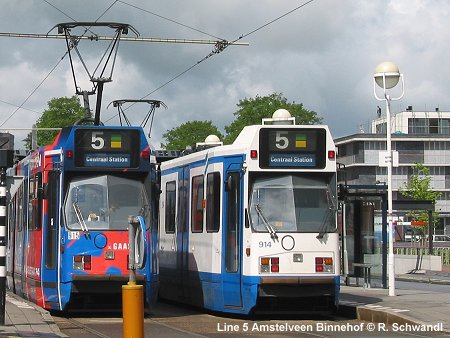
point(133, 310)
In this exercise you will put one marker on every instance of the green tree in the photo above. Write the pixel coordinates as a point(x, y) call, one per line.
point(61, 112)
point(419, 187)
point(251, 111)
point(187, 134)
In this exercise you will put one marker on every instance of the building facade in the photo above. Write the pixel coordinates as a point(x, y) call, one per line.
point(418, 137)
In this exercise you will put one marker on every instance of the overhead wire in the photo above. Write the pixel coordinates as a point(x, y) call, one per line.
point(54, 67)
point(168, 19)
point(274, 20)
point(63, 13)
point(14, 105)
point(217, 50)
point(34, 91)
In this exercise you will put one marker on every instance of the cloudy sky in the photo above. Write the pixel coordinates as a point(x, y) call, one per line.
point(322, 55)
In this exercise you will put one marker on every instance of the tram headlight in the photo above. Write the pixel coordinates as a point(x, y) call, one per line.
point(324, 264)
point(328, 261)
point(82, 262)
point(265, 268)
point(269, 264)
point(265, 260)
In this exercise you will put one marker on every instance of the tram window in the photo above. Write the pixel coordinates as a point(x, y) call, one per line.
point(213, 202)
point(35, 204)
point(20, 211)
point(197, 204)
point(170, 207)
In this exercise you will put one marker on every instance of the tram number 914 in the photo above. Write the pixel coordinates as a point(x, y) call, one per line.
point(263, 244)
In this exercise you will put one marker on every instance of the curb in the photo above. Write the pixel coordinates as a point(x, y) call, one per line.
point(362, 312)
point(46, 316)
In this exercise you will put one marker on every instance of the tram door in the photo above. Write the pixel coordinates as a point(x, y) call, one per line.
point(231, 265)
point(50, 268)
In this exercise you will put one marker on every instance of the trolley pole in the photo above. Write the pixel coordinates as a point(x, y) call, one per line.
point(132, 294)
point(6, 159)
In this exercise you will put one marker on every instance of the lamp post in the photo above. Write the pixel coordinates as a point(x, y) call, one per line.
point(387, 76)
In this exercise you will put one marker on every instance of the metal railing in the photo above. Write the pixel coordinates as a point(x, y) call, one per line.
point(444, 253)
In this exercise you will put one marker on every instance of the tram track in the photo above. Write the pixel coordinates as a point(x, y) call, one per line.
point(174, 320)
point(69, 325)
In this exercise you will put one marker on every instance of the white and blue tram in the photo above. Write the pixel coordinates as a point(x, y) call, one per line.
point(252, 226)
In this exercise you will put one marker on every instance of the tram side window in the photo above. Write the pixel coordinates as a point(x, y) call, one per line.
point(213, 184)
point(197, 204)
point(35, 203)
point(171, 198)
point(19, 207)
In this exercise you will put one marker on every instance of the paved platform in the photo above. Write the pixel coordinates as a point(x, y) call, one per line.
point(25, 319)
point(418, 306)
point(408, 306)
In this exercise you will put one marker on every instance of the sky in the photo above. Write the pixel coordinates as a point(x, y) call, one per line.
point(322, 54)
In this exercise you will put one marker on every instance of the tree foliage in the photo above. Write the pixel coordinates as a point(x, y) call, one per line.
point(189, 133)
point(419, 187)
point(61, 112)
point(251, 111)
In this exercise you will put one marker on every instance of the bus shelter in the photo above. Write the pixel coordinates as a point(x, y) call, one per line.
point(363, 227)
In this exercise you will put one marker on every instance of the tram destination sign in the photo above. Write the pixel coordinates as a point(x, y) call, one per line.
point(292, 148)
point(112, 148)
point(107, 160)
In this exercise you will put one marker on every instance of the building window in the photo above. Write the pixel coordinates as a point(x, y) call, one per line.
point(433, 126)
point(444, 126)
point(417, 126)
point(381, 128)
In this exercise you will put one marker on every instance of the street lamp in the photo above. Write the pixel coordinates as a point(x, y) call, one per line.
point(387, 76)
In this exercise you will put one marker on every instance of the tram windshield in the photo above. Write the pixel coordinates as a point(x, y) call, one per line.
point(292, 203)
point(103, 203)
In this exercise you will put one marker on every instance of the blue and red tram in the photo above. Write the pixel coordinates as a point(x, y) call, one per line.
point(68, 218)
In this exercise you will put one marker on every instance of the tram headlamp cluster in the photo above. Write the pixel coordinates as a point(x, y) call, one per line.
point(269, 264)
point(324, 264)
point(82, 262)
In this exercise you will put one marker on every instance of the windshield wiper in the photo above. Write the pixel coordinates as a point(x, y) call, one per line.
point(80, 219)
point(270, 229)
point(332, 208)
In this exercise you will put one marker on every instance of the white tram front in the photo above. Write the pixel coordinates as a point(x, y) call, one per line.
point(252, 226)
